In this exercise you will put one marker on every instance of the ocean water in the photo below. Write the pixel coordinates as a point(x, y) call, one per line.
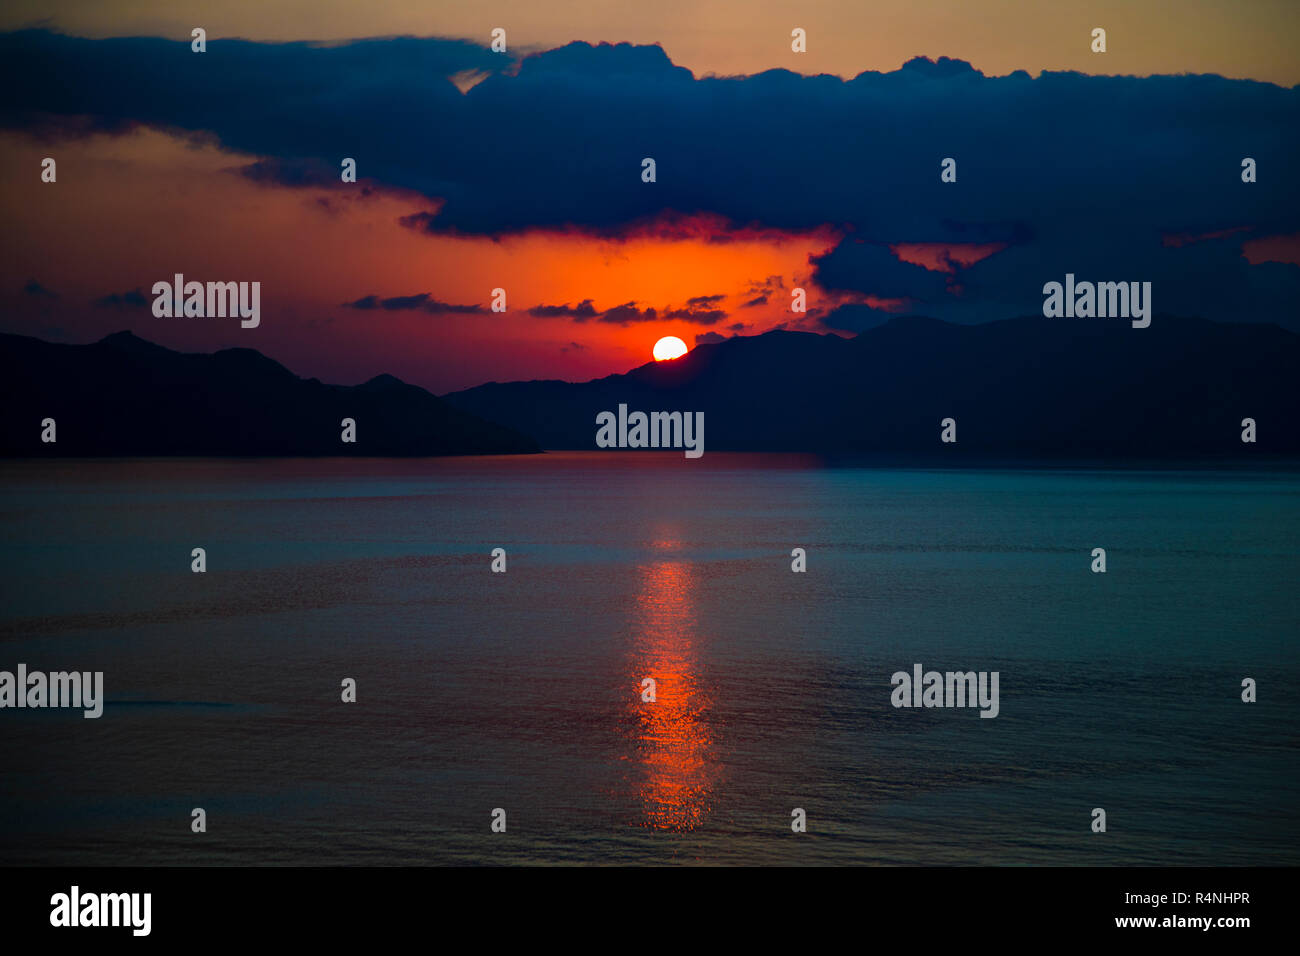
point(522, 690)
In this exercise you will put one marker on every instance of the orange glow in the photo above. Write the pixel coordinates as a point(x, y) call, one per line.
point(1178, 239)
point(674, 739)
point(945, 256)
point(668, 277)
point(1272, 249)
point(669, 347)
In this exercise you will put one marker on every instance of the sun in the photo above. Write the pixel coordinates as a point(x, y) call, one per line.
point(669, 347)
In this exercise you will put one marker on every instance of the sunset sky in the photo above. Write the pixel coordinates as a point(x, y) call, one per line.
point(522, 171)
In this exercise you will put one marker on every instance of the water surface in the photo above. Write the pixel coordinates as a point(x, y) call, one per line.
point(522, 690)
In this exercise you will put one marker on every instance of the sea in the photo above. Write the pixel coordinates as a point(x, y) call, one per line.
point(504, 716)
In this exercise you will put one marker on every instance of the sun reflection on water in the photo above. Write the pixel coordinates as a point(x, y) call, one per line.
point(674, 738)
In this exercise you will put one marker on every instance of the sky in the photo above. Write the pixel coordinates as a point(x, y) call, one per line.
point(522, 170)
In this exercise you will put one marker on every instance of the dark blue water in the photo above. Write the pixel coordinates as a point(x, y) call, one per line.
point(522, 690)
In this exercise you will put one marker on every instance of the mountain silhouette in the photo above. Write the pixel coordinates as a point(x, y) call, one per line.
point(123, 395)
point(1019, 389)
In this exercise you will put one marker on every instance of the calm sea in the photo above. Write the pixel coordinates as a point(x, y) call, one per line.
point(521, 690)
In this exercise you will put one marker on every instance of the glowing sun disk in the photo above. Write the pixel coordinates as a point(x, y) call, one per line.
point(669, 347)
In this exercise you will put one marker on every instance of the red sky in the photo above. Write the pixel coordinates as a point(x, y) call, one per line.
point(128, 211)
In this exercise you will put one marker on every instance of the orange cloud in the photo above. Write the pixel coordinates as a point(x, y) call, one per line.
point(1273, 249)
point(945, 257)
point(1176, 240)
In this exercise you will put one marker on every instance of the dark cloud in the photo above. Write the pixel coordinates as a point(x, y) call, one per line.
point(870, 267)
point(422, 301)
point(134, 299)
point(573, 347)
point(1075, 173)
point(630, 312)
point(627, 314)
point(766, 286)
point(436, 307)
point(35, 288)
point(757, 300)
point(292, 172)
point(583, 310)
point(697, 316)
point(705, 338)
point(399, 302)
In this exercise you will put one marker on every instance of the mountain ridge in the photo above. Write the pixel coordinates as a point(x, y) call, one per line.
point(1019, 387)
point(125, 395)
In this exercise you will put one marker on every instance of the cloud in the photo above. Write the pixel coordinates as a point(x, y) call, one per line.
point(134, 299)
point(32, 287)
point(868, 267)
point(706, 338)
point(630, 312)
point(583, 310)
point(697, 316)
point(944, 256)
point(436, 307)
point(422, 301)
point(766, 286)
point(291, 172)
point(1067, 172)
point(399, 302)
point(627, 314)
point(1177, 239)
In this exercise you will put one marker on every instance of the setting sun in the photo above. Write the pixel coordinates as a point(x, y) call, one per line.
point(669, 347)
